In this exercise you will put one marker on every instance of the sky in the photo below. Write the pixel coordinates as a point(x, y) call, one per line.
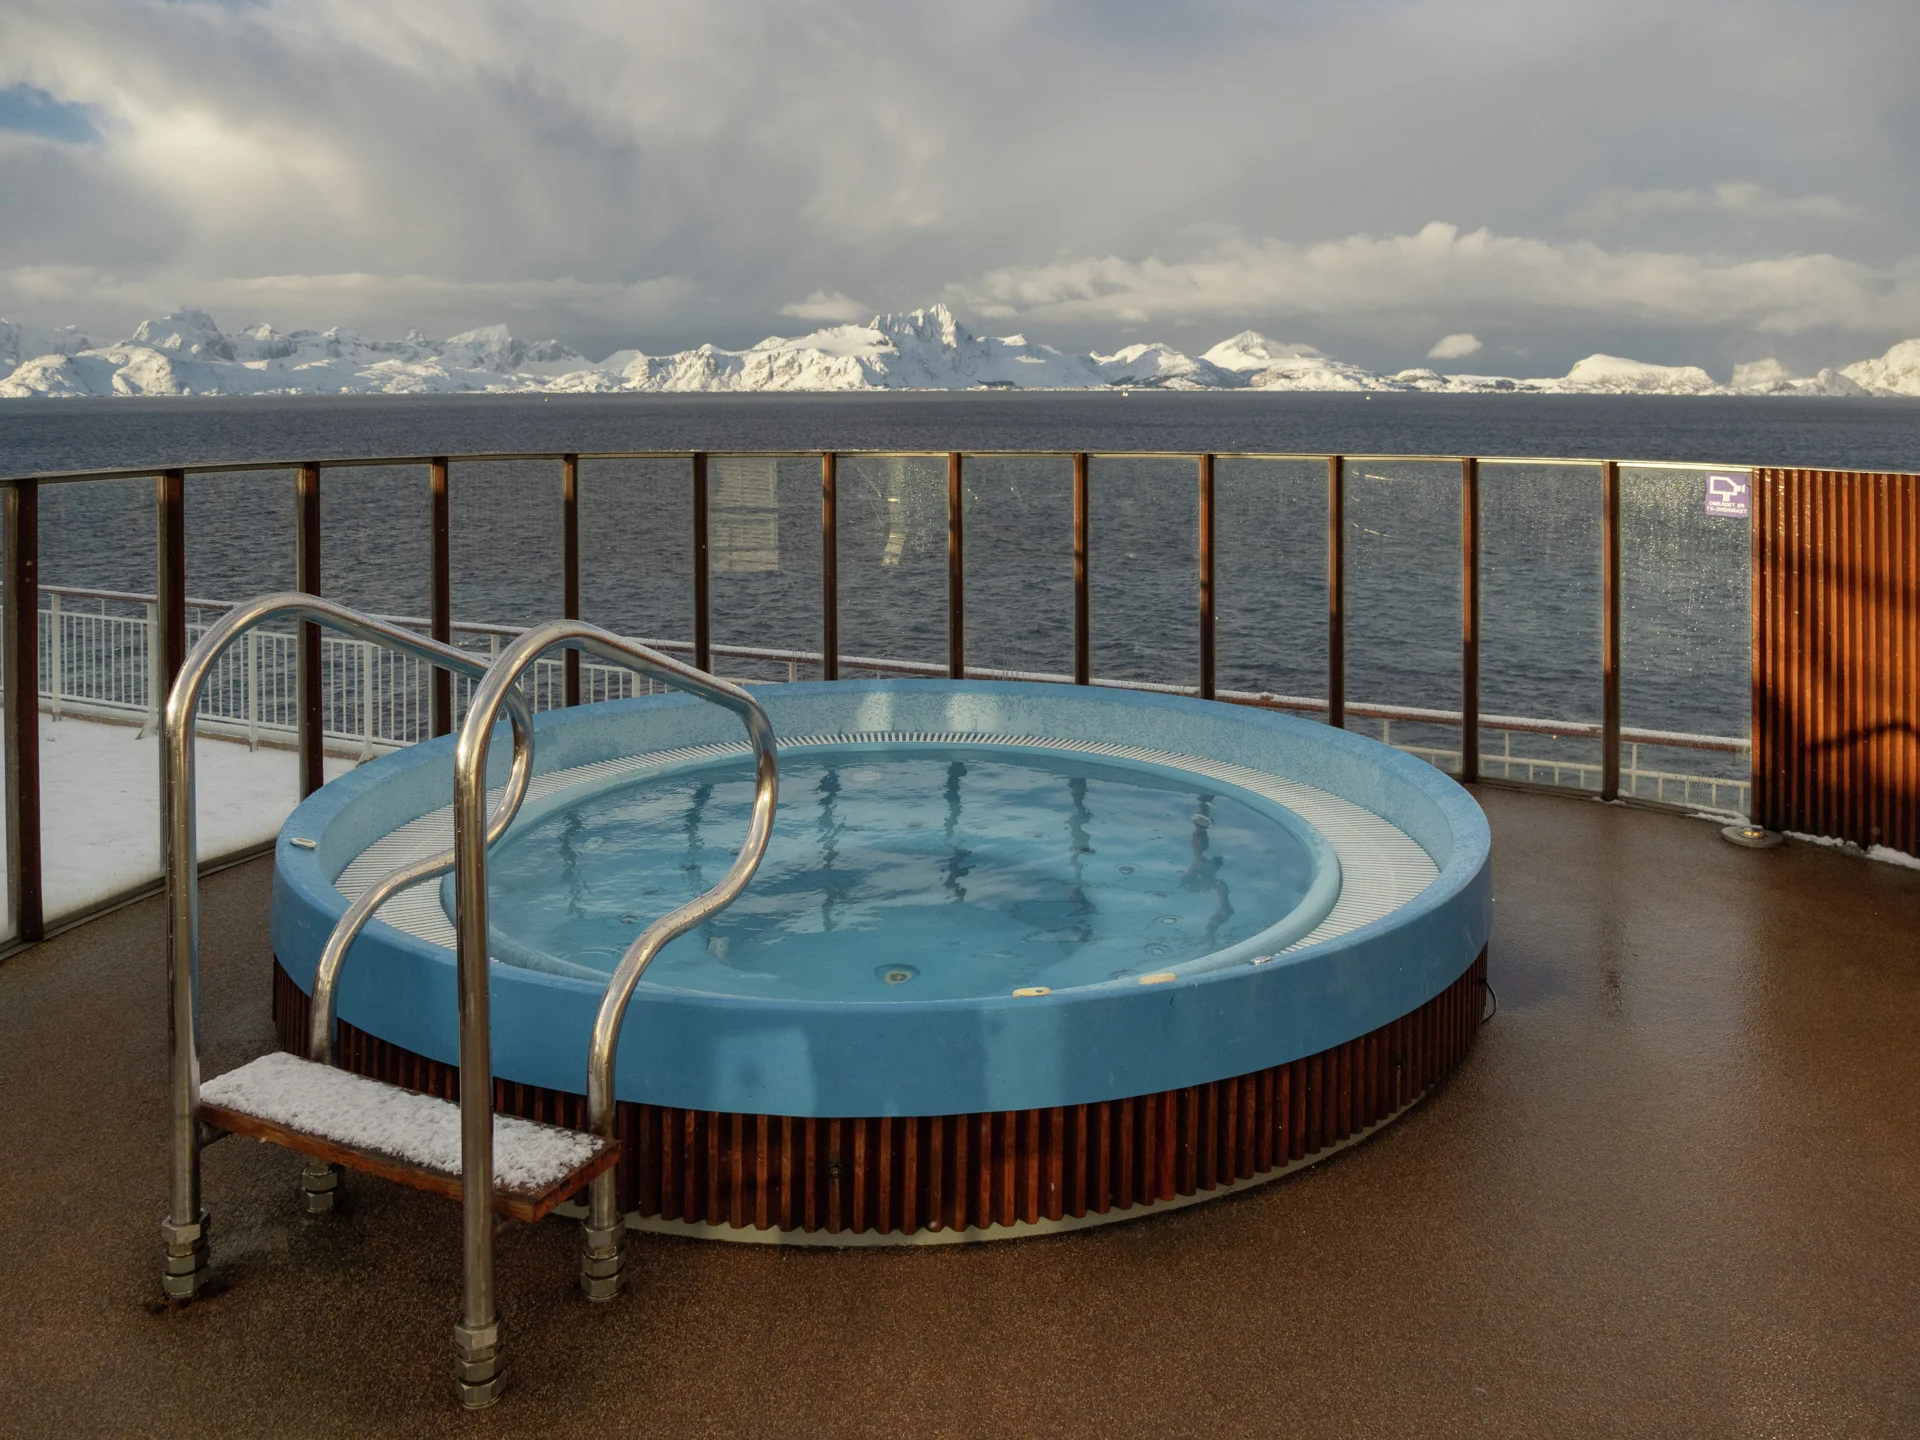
point(1501, 185)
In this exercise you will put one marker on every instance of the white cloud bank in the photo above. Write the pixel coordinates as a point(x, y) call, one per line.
point(1743, 198)
point(829, 308)
point(1456, 346)
point(659, 172)
point(62, 289)
point(1442, 268)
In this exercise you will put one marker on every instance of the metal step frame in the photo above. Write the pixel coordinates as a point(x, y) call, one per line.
point(479, 1369)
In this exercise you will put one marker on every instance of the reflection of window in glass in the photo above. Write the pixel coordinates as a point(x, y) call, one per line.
point(896, 533)
point(743, 523)
point(901, 504)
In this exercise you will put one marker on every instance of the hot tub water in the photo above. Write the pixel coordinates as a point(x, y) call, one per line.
point(931, 872)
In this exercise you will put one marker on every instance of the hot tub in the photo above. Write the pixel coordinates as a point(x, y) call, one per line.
point(1019, 957)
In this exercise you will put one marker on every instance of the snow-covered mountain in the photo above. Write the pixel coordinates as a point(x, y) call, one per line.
point(186, 353)
point(1895, 373)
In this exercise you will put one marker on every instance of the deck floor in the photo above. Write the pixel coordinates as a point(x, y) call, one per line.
point(1675, 1189)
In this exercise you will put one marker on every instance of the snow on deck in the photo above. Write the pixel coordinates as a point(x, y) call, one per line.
point(367, 1115)
point(100, 806)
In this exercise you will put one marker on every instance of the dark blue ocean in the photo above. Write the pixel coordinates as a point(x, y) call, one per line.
point(1685, 572)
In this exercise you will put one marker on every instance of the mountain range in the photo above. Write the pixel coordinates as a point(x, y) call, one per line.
point(186, 353)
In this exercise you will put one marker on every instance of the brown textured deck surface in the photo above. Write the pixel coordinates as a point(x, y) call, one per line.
point(1674, 1190)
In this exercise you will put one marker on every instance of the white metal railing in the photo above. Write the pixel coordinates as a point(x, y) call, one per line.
point(95, 649)
point(1719, 794)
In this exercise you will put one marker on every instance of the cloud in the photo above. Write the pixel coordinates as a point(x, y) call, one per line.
point(1454, 347)
point(678, 170)
point(356, 299)
point(832, 308)
point(1403, 279)
point(1616, 207)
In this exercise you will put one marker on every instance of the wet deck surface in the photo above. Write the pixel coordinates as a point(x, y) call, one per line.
point(1675, 1189)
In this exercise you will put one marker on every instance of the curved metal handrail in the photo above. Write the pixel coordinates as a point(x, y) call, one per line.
point(184, 1230)
point(601, 1264)
point(333, 958)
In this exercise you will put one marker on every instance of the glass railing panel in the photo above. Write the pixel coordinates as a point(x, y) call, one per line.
point(1019, 564)
point(1270, 579)
point(240, 534)
point(893, 560)
point(1143, 568)
point(376, 538)
point(1686, 573)
point(763, 552)
point(376, 554)
point(505, 541)
point(1403, 602)
point(1540, 624)
point(636, 562)
point(505, 545)
point(240, 544)
point(100, 754)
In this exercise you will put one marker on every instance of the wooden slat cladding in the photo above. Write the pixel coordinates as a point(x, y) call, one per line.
point(905, 1174)
point(1836, 680)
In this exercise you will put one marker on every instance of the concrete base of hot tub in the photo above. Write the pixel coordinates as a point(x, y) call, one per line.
point(957, 1178)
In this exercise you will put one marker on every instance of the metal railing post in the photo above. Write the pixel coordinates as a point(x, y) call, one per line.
point(829, 567)
point(441, 614)
point(956, 570)
point(306, 563)
point(1469, 619)
point(1610, 631)
point(250, 677)
point(170, 584)
point(1766, 599)
point(570, 571)
point(56, 657)
point(1336, 591)
point(1082, 608)
point(702, 580)
point(366, 703)
point(21, 666)
point(184, 1231)
point(150, 635)
point(1206, 578)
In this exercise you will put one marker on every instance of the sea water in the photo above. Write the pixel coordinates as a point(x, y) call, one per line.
point(1685, 572)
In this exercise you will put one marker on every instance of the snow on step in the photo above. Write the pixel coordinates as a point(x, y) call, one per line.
point(364, 1114)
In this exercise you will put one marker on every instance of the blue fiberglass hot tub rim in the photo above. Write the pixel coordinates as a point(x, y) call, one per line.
point(926, 1057)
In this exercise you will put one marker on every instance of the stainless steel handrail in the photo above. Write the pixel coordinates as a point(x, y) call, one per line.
point(333, 958)
point(602, 1263)
point(184, 1230)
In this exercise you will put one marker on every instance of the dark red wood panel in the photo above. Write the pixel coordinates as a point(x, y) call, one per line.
point(1836, 624)
point(887, 1174)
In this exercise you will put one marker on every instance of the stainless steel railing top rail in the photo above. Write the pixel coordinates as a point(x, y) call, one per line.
point(602, 1265)
point(184, 1231)
point(365, 462)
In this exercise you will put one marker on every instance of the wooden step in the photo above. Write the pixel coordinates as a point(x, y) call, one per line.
point(398, 1134)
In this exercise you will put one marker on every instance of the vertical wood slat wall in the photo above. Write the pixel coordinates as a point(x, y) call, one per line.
point(958, 1172)
point(1836, 683)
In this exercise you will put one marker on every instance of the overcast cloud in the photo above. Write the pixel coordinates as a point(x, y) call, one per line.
point(1709, 182)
